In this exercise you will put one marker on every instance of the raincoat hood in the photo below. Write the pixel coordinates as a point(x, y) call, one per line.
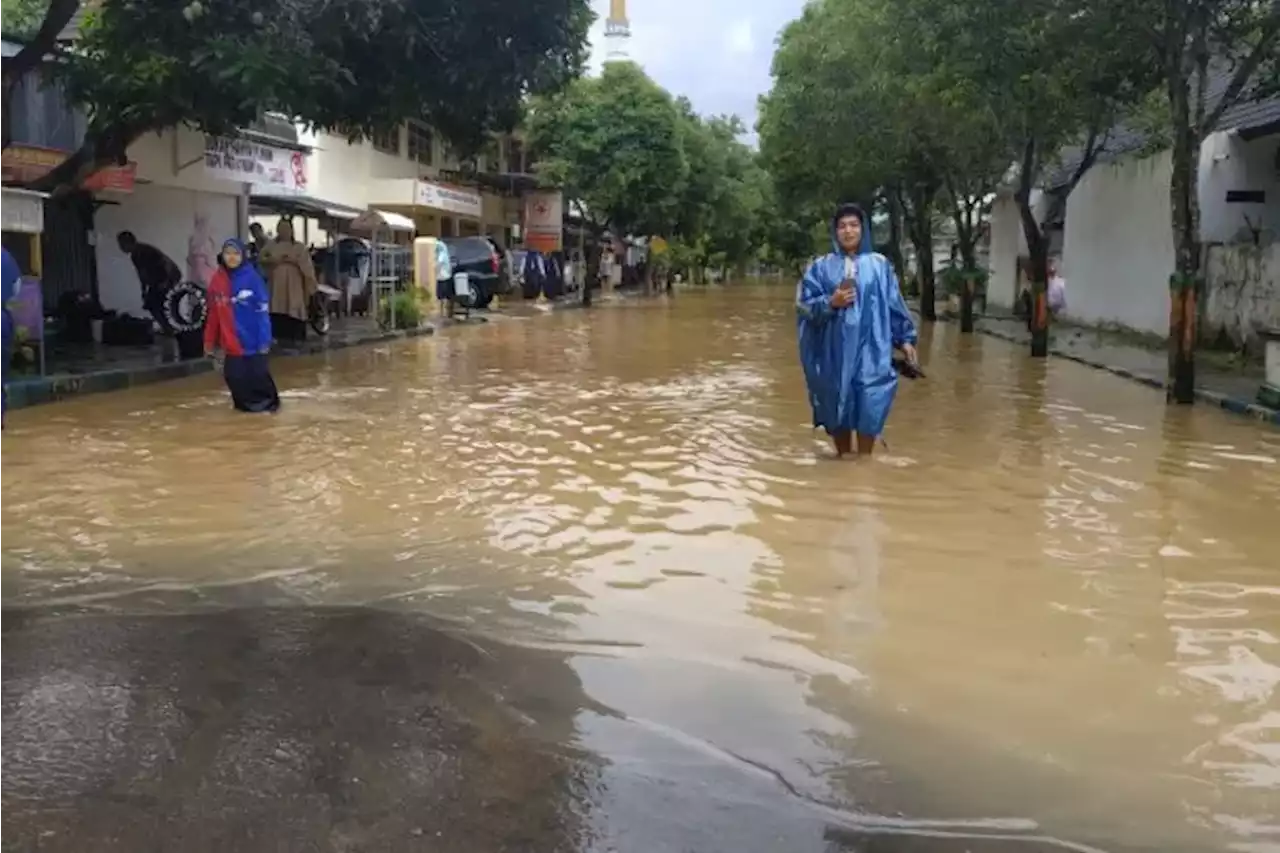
point(851, 209)
point(235, 243)
point(246, 263)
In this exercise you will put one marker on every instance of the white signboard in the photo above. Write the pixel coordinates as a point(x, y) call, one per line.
point(449, 199)
point(248, 162)
point(544, 221)
point(23, 211)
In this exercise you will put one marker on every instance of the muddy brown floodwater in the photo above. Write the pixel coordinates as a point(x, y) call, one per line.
point(1046, 617)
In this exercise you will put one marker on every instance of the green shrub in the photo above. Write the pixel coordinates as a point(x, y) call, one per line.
point(21, 354)
point(408, 312)
point(953, 279)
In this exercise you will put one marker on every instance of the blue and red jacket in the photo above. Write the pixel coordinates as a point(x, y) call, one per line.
point(239, 322)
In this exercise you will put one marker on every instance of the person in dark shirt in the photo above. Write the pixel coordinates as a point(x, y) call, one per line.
point(156, 273)
point(258, 241)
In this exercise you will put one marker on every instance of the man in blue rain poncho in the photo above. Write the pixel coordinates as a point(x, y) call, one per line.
point(851, 318)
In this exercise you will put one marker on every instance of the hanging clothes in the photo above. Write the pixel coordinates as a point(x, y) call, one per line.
point(534, 275)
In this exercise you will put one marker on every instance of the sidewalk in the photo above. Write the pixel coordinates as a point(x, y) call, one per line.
point(1233, 389)
point(97, 368)
point(143, 367)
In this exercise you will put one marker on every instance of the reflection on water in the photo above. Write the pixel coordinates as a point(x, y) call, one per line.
point(1050, 609)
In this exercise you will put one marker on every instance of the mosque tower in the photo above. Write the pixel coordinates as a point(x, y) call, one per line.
point(617, 32)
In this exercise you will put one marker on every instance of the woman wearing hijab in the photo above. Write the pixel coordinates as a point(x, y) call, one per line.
point(851, 318)
point(240, 327)
point(292, 280)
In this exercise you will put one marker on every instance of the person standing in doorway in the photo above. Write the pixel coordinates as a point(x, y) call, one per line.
point(291, 278)
point(851, 317)
point(257, 242)
point(239, 329)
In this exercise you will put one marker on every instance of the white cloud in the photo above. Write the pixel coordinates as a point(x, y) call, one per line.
point(738, 40)
point(703, 49)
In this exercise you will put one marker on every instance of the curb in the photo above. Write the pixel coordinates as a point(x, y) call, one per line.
point(1231, 404)
point(38, 390)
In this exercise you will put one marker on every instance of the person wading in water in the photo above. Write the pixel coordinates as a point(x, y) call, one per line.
point(239, 329)
point(851, 317)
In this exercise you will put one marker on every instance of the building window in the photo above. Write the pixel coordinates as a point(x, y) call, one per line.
point(388, 141)
point(421, 144)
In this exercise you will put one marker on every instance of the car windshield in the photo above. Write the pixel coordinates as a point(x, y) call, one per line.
point(469, 249)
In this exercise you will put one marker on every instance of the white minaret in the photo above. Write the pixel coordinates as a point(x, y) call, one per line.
point(617, 32)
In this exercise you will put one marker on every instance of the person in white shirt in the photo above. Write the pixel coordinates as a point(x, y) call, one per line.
point(1057, 290)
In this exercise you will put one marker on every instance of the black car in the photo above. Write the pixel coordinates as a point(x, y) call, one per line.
point(485, 265)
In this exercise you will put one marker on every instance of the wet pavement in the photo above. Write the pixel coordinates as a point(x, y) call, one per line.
point(586, 582)
point(1148, 365)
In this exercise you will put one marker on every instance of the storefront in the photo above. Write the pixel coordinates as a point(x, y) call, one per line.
point(437, 209)
point(66, 256)
point(192, 193)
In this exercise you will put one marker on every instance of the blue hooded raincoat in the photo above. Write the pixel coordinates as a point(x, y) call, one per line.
point(847, 353)
point(12, 278)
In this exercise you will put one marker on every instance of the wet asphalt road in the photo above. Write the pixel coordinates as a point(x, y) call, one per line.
point(353, 729)
point(271, 730)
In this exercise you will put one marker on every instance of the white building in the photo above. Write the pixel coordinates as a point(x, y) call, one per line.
point(412, 172)
point(185, 192)
point(1116, 245)
point(193, 191)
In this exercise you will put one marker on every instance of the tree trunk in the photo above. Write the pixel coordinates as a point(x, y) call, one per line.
point(1038, 248)
point(1184, 282)
point(33, 54)
point(895, 232)
point(967, 296)
point(962, 215)
point(592, 274)
point(920, 228)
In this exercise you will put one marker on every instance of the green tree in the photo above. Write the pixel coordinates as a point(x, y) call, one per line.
point(1189, 41)
point(844, 120)
point(738, 202)
point(615, 144)
point(352, 66)
point(22, 18)
point(1054, 74)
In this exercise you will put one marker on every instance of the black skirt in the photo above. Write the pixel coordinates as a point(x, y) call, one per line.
point(248, 377)
point(285, 327)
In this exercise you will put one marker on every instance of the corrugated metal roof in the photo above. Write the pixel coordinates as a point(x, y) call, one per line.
point(71, 31)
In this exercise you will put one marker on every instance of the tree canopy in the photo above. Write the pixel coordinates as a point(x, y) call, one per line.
point(645, 164)
point(934, 102)
point(614, 143)
point(351, 66)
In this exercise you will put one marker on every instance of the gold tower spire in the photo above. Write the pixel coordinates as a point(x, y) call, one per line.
point(617, 32)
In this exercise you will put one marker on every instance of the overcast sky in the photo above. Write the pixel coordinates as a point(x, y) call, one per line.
point(714, 52)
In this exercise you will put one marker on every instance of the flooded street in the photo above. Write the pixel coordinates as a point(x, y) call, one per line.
point(587, 581)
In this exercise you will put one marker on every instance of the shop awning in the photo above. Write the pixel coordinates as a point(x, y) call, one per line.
point(371, 221)
point(305, 205)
